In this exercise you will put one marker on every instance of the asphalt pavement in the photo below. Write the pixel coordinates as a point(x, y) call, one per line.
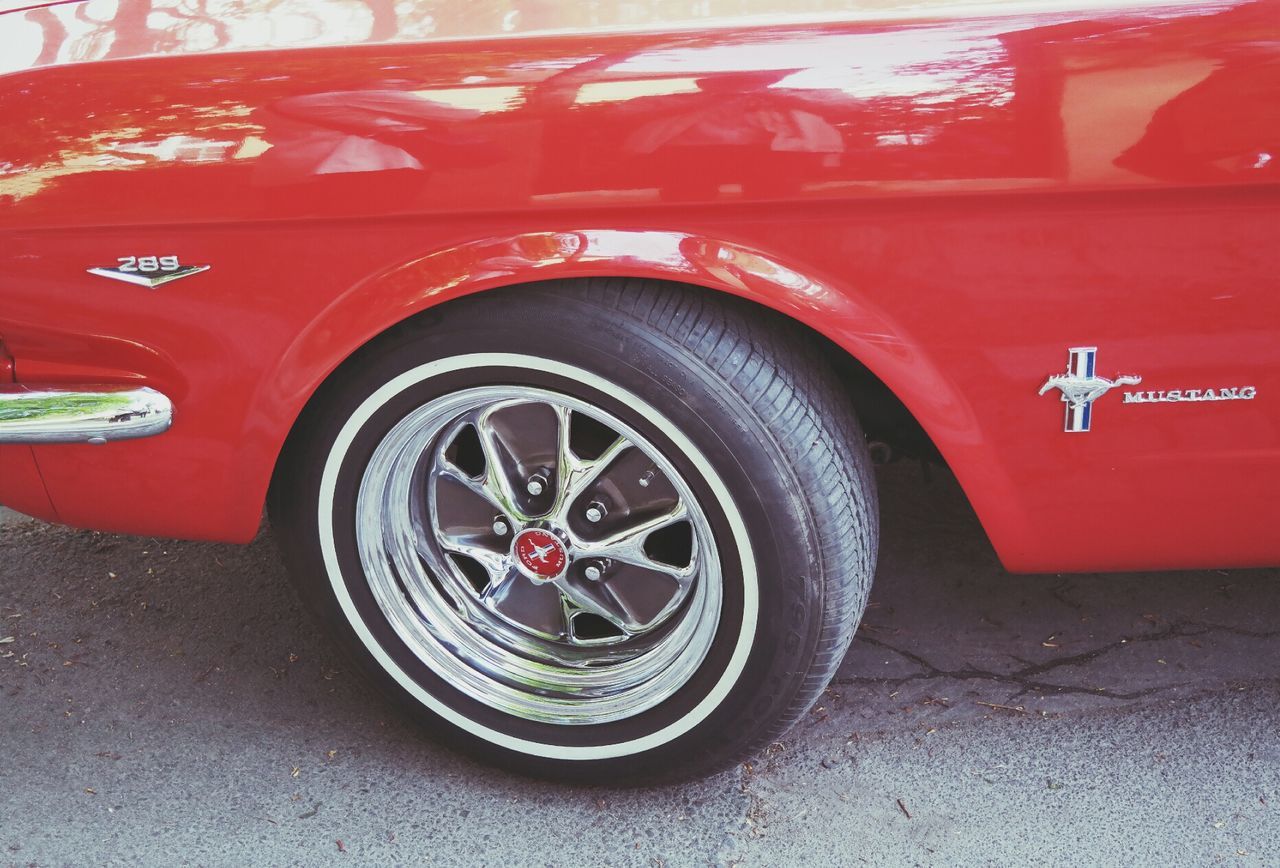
point(171, 703)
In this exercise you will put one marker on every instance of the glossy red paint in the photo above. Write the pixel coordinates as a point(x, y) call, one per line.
point(953, 198)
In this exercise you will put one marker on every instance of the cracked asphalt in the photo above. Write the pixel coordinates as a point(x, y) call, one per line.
point(170, 703)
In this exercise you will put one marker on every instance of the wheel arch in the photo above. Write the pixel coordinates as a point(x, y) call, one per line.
point(900, 394)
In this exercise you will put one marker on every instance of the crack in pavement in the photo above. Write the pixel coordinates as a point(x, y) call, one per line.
point(1025, 678)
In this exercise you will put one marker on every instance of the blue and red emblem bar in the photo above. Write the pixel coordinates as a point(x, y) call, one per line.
point(1080, 363)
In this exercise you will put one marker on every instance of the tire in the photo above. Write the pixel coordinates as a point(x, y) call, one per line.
point(421, 508)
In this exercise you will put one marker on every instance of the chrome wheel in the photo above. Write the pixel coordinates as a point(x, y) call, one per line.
point(539, 554)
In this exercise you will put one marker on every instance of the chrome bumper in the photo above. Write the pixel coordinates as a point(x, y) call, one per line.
point(81, 414)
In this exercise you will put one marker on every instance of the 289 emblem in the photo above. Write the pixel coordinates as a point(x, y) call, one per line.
point(149, 271)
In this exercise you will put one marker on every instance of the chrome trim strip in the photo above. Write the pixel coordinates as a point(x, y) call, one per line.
point(81, 414)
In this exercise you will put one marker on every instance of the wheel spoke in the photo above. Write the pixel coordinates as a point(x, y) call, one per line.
point(592, 598)
point(494, 563)
point(449, 474)
point(465, 508)
point(644, 595)
point(583, 474)
point(462, 598)
point(566, 462)
point(537, 606)
point(497, 479)
point(462, 519)
point(521, 444)
point(627, 546)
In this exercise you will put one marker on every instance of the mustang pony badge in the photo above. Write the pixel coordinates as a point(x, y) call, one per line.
point(149, 271)
point(1080, 386)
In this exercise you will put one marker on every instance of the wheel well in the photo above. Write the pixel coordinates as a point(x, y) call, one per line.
point(891, 430)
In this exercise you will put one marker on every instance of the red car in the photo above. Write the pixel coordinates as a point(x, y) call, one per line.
point(557, 338)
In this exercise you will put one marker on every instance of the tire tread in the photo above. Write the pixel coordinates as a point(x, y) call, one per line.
point(796, 397)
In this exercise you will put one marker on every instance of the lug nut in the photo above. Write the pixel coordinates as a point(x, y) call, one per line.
point(593, 573)
point(536, 485)
point(595, 512)
point(500, 527)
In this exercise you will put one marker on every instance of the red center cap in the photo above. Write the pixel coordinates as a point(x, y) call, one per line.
point(540, 553)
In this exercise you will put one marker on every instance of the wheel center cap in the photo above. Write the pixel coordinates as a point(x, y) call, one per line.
point(540, 554)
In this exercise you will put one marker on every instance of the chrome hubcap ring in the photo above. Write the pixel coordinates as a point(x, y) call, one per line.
point(539, 554)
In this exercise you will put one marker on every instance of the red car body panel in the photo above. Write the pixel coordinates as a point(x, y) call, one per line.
point(954, 198)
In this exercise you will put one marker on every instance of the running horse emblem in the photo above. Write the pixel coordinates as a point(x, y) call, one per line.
point(1080, 386)
point(540, 552)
